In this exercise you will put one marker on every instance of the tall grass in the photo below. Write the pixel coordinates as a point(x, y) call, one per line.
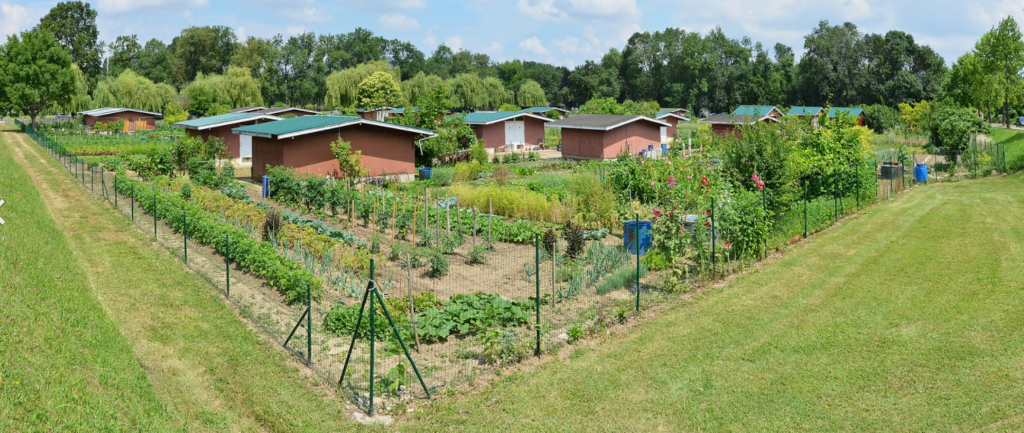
point(512, 202)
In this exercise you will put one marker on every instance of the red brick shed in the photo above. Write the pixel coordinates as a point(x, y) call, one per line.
point(726, 124)
point(513, 130)
point(134, 119)
point(304, 143)
point(604, 136)
point(239, 146)
point(668, 133)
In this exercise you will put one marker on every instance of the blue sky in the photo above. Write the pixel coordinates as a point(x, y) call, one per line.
point(562, 32)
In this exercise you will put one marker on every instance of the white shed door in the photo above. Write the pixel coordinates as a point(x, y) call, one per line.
point(244, 146)
point(664, 134)
point(515, 133)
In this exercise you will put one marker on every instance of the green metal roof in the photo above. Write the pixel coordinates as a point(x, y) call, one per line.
point(804, 111)
point(852, 111)
point(541, 109)
point(753, 110)
point(402, 110)
point(228, 118)
point(483, 118)
point(307, 124)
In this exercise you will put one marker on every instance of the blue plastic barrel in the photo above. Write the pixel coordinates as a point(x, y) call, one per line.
point(921, 173)
point(426, 173)
point(629, 236)
point(650, 148)
point(664, 148)
point(266, 186)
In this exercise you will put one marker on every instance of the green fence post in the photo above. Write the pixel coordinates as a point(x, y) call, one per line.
point(636, 243)
point(857, 176)
point(536, 262)
point(92, 177)
point(309, 325)
point(184, 233)
point(133, 202)
point(764, 206)
point(154, 211)
point(373, 332)
point(835, 194)
point(115, 191)
point(804, 182)
point(713, 259)
point(227, 263)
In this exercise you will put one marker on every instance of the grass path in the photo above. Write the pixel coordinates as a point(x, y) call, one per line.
point(907, 318)
point(206, 368)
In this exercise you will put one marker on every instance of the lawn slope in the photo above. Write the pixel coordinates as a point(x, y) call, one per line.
point(907, 318)
point(204, 364)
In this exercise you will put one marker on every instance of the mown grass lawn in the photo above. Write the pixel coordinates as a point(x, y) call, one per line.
point(907, 318)
point(160, 350)
point(1013, 139)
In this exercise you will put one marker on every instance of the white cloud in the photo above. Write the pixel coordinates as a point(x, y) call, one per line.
point(294, 30)
point(569, 45)
point(540, 9)
point(617, 9)
point(13, 19)
point(388, 5)
point(454, 42)
point(990, 14)
point(533, 46)
point(853, 9)
point(398, 22)
point(240, 33)
point(495, 49)
point(307, 15)
point(127, 6)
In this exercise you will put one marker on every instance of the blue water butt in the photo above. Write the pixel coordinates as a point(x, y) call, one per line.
point(921, 173)
point(266, 186)
point(629, 236)
point(426, 173)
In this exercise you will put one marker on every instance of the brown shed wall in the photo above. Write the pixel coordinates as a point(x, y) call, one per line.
point(534, 131)
point(127, 116)
point(493, 135)
point(384, 151)
point(224, 132)
point(591, 144)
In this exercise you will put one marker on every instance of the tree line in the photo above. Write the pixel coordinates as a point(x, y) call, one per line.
point(209, 69)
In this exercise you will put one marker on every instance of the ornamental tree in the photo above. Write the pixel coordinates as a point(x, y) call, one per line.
point(350, 163)
point(35, 73)
point(379, 90)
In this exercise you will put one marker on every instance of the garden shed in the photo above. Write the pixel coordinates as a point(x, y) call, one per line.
point(668, 133)
point(757, 110)
point(726, 124)
point(857, 113)
point(605, 136)
point(543, 110)
point(246, 109)
point(804, 112)
point(511, 130)
point(304, 143)
point(288, 112)
point(239, 146)
point(133, 119)
point(376, 113)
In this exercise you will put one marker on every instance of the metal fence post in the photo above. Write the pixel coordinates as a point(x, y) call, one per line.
point(309, 325)
point(115, 191)
point(835, 194)
point(536, 263)
point(373, 332)
point(227, 263)
point(184, 233)
point(713, 258)
point(154, 211)
point(805, 207)
point(636, 244)
point(764, 206)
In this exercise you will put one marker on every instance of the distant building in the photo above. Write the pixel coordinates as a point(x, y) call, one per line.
point(544, 110)
point(857, 113)
point(802, 112)
point(726, 124)
point(239, 146)
point(605, 136)
point(757, 110)
point(304, 143)
point(375, 113)
point(134, 119)
point(511, 130)
point(246, 109)
point(287, 112)
point(668, 133)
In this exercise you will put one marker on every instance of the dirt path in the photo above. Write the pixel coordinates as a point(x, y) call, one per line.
point(207, 367)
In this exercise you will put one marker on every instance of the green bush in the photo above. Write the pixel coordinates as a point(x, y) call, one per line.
point(515, 203)
point(438, 265)
point(468, 171)
point(478, 255)
point(442, 176)
point(478, 152)
point(186, 191)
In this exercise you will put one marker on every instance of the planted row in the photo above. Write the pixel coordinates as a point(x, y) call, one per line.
point(257, 257)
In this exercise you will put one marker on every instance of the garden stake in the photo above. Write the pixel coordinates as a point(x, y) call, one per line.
point(412, 308)
point(437, 216)
point(227, 263)
point(448, 218)
point(490, 214)
point(536, 263)
point(474, 226)
point(636, 244)
point(184, 233)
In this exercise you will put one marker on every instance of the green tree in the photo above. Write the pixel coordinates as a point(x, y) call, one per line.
point(419, 85)
point(951, 128)
point(1001, 52)
point(35, 73)
point(530, 94)
point(343, 86)
point(124, 54)
point(132, 91)
point(350, 164)
point(495, 92)
point(467, 91)
point(379, 90)
point(830, 70)
point(155, 62)
point(73, 25)
point(509, 107)
point(206, 49)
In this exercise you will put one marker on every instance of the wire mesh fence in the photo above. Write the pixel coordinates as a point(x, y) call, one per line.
point(344, 283)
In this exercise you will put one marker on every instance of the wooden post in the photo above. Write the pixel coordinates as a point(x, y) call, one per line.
point(458, 215)
point(448, 218)
point(395, 213)
point(490, 215)
point(414, 212)
point(437, 240)
point(474, 226)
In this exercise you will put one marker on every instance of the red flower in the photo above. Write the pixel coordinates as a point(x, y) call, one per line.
point(707, 223)
point(672, 181)
point(708, 212)
point(657, 212)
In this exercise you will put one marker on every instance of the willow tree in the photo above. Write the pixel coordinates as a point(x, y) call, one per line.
point(495, 91)
point(467, 91)
point(236, 88)
point(343, 86)
point(80, 100)
point(418, 86)
point(530, 94)
point(130, 90)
